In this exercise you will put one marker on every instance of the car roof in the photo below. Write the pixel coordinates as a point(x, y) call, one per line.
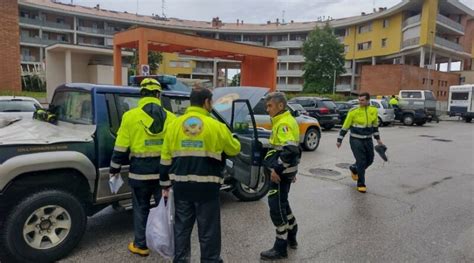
point(311, 98)
point(18, 98)
point(88, 87)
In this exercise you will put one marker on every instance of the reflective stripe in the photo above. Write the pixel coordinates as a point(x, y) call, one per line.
point(143, 176)
point(197, 178)
point(197, 154)
point(340, 137)
point(344, 129)
point(360, 136)
point(165, 183)
point(361, 126)
point(145, 155)
point(376, 133)
point(282, 162)
point(272, 192)
point(115, 165)
point(290, 169)
point(120, 148)
point(282, 228)
point(290, 216)
point(165, 162)
point(281, 236)
point(290, 227)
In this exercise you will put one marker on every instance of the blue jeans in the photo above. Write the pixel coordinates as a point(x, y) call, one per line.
point(141, 209)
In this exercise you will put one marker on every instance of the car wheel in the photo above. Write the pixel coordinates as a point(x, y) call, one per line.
point(311, 139)
point(381, 123)
point(44, 227)
point(468, 119)
point(246, 194)
point(408, 120)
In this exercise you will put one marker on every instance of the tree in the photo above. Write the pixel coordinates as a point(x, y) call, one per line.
point(235, 80)
point(154, 60)
point(323, 55)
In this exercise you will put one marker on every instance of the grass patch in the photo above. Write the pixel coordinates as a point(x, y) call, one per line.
point(36, 95)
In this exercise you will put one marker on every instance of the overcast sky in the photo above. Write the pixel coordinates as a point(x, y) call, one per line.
point(251, 11)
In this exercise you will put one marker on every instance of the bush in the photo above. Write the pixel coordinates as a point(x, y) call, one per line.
point(33, 83)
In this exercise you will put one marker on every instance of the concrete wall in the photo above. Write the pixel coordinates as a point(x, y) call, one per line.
point(468, 76)
point(104, 74)
point(390, 79)
point(55, 72)
point(9, 46)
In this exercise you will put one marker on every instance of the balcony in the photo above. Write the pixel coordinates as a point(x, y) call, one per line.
point(291, 58)
point(343, 87)
point(41, 23)
point(290, 73)
point(25, 58)
point(203, 71)
point(99, 31)
point(449, 44)
point(255, 43)
point(450, 24)
point(411, 21)
point(40, 41)
point(290, 87)
point(340, 39)
point(411, 42)
point(288, 43)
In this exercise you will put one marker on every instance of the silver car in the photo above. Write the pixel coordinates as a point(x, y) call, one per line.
point(385, 111)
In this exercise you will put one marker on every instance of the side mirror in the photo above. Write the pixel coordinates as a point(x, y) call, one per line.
point(295, 113)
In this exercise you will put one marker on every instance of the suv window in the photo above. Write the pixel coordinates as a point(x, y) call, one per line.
point(411, 94)
point(306, 102)
point(375, 104)
point(18, 106)
point(459, 96)
point(126, 103)
point(328, 104)
point(386, 105)
point(74, 106)
point(429, 95)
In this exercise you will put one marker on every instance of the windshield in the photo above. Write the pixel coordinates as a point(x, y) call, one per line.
point(73, 106)
point(18, 106)
point(329, 104)
point(178, 86)
point(385, 104)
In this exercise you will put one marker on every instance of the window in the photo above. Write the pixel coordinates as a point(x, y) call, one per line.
point(375, 104)
point(365, 28)
point(411, 95)
point(346, 48)
point(282, 52)
point(181, 64)
point(306, 103)
point(18, 105)
point(348, 31)
point(429, 95)
point(364, 46)
point(385, 23)
point(73, 106)
point(126, 103)
point(384, 42)
point(60, 20)
point(459, 96)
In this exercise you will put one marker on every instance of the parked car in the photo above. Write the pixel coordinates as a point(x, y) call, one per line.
point(323, 109)
point(461, 101)
point(298, 108)
point(386, 113)
point(53, 176)
point(310, 131)
point(168, 82)
point(343, 108)
point(15, 106)
point(418, 100)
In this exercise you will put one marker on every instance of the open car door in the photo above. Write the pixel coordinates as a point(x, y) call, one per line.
point(235, 106)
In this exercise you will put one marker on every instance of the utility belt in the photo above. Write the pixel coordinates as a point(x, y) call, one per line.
point(359, 136)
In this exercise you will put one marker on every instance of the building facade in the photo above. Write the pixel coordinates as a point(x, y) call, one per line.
point(421, 33)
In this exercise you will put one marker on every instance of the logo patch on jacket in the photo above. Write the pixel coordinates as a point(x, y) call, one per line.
point(192, 126)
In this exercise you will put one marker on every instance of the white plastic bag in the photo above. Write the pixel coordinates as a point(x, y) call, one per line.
point(115, 182)
point(159, 228)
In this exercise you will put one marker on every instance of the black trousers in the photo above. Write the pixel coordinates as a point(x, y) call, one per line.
point(280, 212)
point(208, 216)
point(141, 208)
point(363, 150)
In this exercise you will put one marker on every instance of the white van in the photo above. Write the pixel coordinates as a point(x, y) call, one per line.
point(461, 101)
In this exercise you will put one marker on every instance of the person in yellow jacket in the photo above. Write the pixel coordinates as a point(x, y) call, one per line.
point(393, 101)
point(282, 162)
point(192, 159)
point(363, 123)
point(139, 142)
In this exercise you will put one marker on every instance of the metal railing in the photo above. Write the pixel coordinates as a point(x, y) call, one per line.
point(203, 70)
point(287, 43)
point(290, 87)
point(40, 41)
point(290, 73)
point(291, 58)
point(26, 58)
point(449, 22)
point(92, 30)
point(411, 20)
point(411, 42)
point(38, 22)
point(449, 44)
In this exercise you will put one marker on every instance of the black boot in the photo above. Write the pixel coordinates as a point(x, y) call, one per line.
point(292, 243)
point(277, 252)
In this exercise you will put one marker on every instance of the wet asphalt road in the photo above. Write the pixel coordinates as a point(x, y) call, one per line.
point(419, 207)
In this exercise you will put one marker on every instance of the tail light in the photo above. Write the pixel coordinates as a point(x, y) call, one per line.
point(324, 111)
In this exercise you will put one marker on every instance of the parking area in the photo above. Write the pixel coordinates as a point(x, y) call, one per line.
point(419, 206)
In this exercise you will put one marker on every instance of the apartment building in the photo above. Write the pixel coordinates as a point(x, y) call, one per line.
point(421, 33)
